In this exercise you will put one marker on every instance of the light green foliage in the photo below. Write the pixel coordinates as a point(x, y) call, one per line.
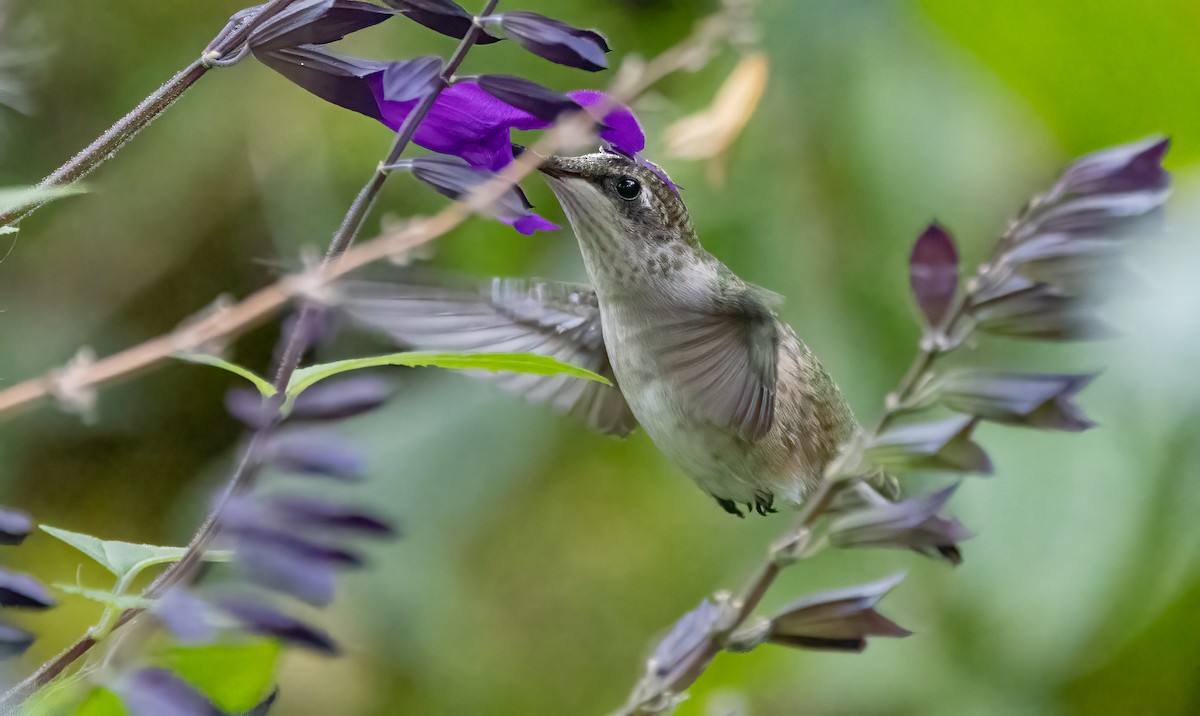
point(14, 198)
point(120, 558)
point(236, 677)
point(262, 384)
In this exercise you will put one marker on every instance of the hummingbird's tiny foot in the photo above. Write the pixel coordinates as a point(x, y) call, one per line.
point(764, 503)
point(729, 506)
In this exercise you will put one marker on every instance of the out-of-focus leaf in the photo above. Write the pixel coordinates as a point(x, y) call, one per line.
point(17, 198)
point(941, 445)
point(100, 702)
point(262, 384)
point(236, 677)
point(933, 273)
point(1038, 400)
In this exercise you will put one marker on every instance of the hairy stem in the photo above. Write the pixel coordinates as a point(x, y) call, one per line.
point(138, 118)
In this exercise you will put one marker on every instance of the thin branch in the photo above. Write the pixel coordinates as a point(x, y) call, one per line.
point(138, 118)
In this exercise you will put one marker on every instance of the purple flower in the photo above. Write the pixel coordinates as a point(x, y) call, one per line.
point(310, 453)
point(13, 641)
point(455, 179)
point(840, 620)
point(552, 39)
point(315, 22)
point(444, 16)
point(941, 445)
point(262, 619)
point(913, 524)
point(185, 615)
point(22, 590)
point(1037, 400)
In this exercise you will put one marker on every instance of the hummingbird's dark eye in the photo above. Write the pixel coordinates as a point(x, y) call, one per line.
point(628, 189)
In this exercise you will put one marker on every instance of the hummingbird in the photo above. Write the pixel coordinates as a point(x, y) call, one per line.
point(696, 356)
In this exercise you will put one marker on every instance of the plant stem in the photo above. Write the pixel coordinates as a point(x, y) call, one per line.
point(107, 144)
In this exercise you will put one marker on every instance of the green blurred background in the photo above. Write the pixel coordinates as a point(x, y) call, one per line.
point(539, 560)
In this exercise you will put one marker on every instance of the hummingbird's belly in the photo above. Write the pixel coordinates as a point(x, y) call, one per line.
point(720, 463)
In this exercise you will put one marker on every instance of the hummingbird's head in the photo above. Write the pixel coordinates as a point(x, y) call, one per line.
point(632, 226)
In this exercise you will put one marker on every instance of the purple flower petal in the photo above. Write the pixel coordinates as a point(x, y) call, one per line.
point(289, 572)
point(22, 590)
point(527, 225)
point(159, 692)
point(316, 22)
point(341, 398)
point(13, 641)
point(542, 102)
point(1039, 400)
point(15, 525)
point(687, 635)
point(911, 524)
point(185, 615)
point(409, 80)
point(623, 131)
point(552, 39)
point(261, 619)
point(444, 16)
point(334, 78)
point(306, 513)
point(311, 453)
point(455, 179)
point(839, 620)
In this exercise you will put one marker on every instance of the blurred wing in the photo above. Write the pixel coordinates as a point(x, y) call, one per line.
point(548, 318)
point(725, 361)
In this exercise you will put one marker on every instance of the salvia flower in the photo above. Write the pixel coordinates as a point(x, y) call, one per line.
point(1037, 400)
point(341, 398)
point(941, 445)
point(667, 669)
point(159, 692)
point(444, 16)
point(258, 618)
point(839, 620)
point(538, 100)
point(933, 273)
point(551, 39)
point(910, 524)
point(455, 179)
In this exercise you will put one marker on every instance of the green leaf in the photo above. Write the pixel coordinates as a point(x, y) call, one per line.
point(117, 601)
point(264, 386)
point(63, 696)
point(236, 677)
point(102, 702)
point(494, 362)
point(126, 559)
point(21, 197)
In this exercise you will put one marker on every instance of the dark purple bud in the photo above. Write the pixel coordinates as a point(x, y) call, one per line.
point(1132, 167)
point(13, 641)
point(341, 398)
point(22, 590)
point(159, 692)
point(291, 545)
point(933, 273)
point(1022, 308)
point(687, 636)
point(839, 620)
point(542, 102)
point(250, 407)
point(15, 525)
point(287, 572)
point(306, 513)
point(261, 619)
point(442, 16)
point(456, 179)
point(911, 524)
point(1037, 400)
point(942, 445)
point(185, 615)
point(315, 22)
point(311, 453)
point(551, 39)
point(334, 78)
